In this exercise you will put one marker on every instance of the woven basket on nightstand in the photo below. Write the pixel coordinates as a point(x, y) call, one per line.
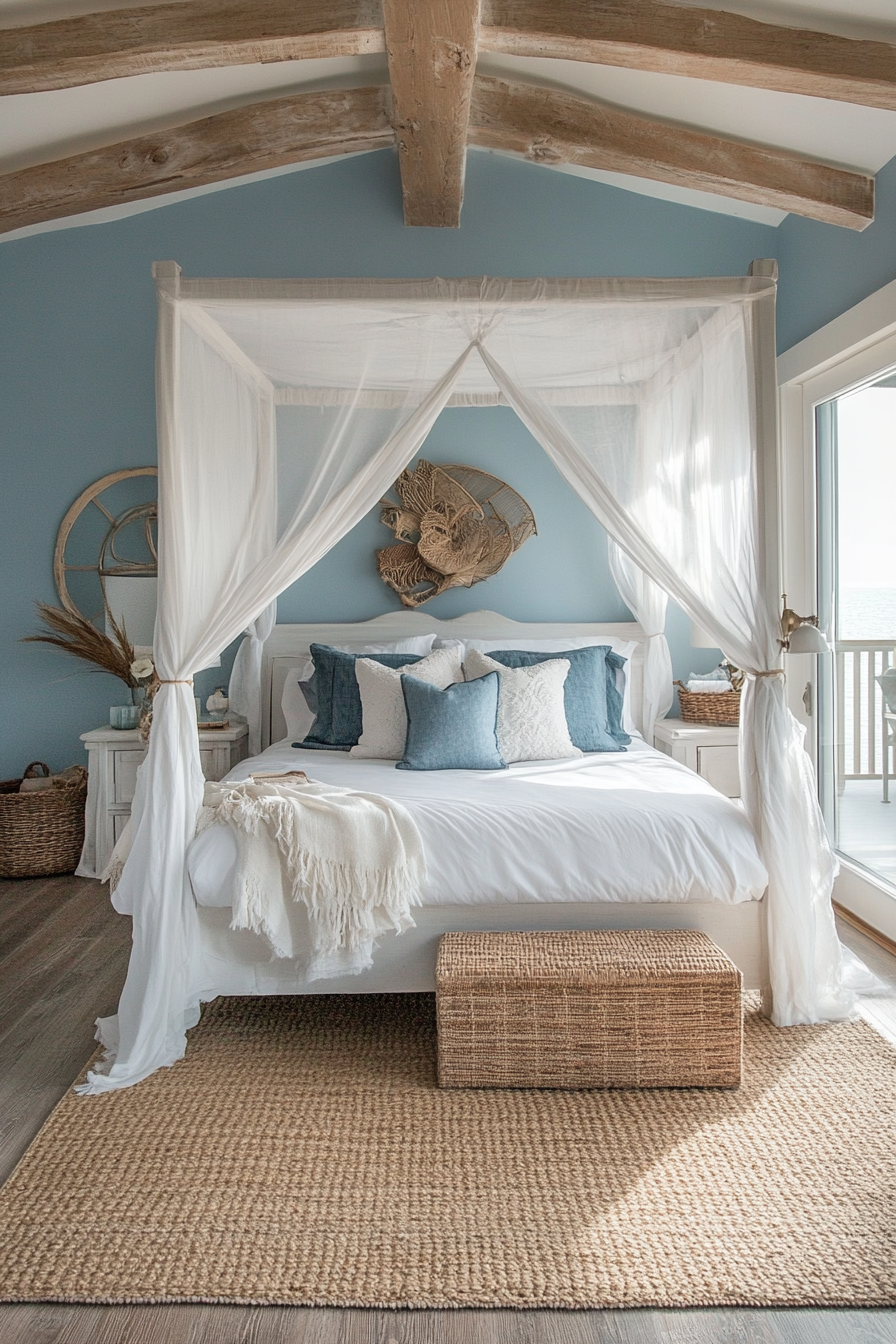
point(720, 708)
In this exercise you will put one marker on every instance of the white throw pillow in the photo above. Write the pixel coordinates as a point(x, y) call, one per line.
point(383, 713)
point(625, 649)
point(531, 714)
point(296, 713)
point(421, 644)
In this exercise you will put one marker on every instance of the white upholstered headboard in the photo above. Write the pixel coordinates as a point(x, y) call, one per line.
point(289, 643)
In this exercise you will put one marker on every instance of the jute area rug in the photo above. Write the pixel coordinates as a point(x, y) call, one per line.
point(302, 1153)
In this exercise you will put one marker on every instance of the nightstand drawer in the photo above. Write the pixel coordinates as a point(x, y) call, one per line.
point(215, 761)
point(125, 765)
point(718, 766)
point(116, 755)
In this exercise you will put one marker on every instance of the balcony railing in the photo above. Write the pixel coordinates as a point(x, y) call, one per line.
point(859, 706)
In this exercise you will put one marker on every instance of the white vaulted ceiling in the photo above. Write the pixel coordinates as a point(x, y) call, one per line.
point(53, 125)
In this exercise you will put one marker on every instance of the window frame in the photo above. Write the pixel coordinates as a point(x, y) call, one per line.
point(848, 353)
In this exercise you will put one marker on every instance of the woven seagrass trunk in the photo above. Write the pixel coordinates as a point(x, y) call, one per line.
point(629, 1008)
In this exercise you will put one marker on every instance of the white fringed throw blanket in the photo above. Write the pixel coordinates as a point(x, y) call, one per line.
point(354, 860)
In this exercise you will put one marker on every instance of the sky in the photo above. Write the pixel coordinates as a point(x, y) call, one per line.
point(866, 439)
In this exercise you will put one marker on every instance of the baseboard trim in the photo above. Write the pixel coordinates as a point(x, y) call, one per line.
point(863, 927)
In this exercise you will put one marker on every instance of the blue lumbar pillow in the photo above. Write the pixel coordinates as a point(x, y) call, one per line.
point(454, 729)
point(337, 699)
point(590, 697)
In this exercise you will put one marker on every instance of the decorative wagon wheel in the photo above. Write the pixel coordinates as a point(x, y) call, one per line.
point(134, 527)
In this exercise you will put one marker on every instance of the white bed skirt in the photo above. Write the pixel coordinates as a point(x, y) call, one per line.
point(239, 963)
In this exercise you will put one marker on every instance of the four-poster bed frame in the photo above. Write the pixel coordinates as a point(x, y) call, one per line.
point(655, 400)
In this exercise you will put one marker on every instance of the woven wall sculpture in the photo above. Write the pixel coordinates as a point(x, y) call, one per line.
point(454, 527)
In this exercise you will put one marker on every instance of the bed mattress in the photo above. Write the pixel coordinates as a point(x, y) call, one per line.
point(606, 827)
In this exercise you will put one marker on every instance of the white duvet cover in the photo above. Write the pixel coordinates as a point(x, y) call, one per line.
point(632, 826)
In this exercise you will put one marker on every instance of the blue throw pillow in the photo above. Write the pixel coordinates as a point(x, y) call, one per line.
point(587, 695)
point(614, 699)
point(339, 722)
point(454, 729)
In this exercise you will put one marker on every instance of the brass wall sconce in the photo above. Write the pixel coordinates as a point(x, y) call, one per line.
point(800, 634)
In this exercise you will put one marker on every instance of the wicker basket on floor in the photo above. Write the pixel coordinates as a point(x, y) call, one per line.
point(719, 708)
point(42, 833)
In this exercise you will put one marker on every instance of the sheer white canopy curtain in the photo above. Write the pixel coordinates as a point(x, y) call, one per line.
point(286, 409)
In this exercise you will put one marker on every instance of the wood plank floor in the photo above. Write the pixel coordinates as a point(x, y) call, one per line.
point(63, 953)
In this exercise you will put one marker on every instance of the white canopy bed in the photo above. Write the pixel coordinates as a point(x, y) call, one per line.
point(286, 408)
point(602, 841)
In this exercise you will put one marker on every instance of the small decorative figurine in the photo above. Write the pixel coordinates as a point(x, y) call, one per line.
point(217, 703)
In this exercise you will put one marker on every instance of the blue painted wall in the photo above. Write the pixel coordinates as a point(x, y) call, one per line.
point(561, 574)
point(77, 329)
point(824, 270)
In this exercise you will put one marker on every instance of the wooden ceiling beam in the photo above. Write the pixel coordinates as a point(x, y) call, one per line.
point(231, 144)
point(552, 127)
point(641, 34)
point(701, 43)
point(193, 36)
point(431, 46)
point(544, 125)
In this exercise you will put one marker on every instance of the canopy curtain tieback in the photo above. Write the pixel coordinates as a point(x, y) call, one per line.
point(175, 681)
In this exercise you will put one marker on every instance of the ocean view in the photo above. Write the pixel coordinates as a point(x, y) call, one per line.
point(867, 613)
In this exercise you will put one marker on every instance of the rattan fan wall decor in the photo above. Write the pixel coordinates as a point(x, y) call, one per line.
point(454, 527)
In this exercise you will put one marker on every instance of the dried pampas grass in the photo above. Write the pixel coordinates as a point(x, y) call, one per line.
point(75, 635)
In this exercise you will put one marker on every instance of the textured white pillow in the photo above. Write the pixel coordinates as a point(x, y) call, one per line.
point(382, 700)
point(531, 714)
point(624, 647)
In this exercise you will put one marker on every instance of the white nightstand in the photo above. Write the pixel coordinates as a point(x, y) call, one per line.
point(113, 756)
point(710, 751)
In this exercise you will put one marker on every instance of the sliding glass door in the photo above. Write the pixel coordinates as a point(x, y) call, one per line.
point(856, 475)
